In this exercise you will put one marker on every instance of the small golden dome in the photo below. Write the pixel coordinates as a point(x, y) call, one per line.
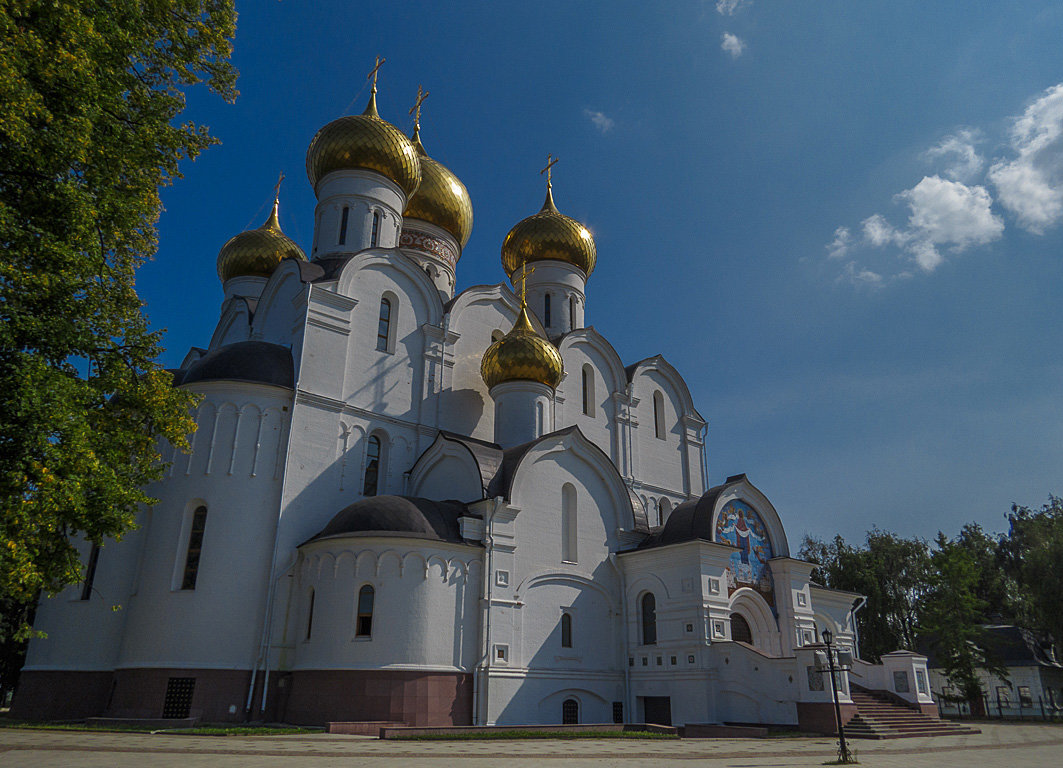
point(257, 252)
point(441, 199)
point(548, 234)
point(364, 142)
point(522, 355)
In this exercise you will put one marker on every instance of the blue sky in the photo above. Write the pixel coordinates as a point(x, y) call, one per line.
point(842, 222)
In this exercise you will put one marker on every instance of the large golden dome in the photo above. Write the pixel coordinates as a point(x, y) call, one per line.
point(257, 252)
point(441, 199)
point(549, 234)
point(522, 355)
point(364, 142)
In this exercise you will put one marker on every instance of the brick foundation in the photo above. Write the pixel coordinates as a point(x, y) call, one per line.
point(818, 717)
point(316, 697)
point(61, 695)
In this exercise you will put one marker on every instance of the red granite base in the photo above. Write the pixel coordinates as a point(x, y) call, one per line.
point(814, 717)
point(61, 695)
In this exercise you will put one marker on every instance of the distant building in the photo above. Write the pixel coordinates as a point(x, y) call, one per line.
point(1035, 677)
point(405, 504)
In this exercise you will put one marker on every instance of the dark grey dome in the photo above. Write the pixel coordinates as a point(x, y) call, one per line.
point(691, 520)
point(403, 516)
point(255, 361)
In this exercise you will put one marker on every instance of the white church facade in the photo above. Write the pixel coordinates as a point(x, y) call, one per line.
point(405, 504)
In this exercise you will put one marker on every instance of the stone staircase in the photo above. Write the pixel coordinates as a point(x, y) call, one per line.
point(879, 716)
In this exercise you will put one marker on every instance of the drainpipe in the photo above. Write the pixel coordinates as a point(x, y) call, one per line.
point(269, 633)
point(479, 680)
point(614, 561)
point(856, 629)
point(263, 649)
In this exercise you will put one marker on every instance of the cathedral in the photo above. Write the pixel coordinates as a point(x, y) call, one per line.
point(412, 505)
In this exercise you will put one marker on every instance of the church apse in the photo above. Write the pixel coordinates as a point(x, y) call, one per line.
point(740, 526)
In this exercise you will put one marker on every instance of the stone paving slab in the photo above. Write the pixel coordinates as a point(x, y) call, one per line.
point(998, 746)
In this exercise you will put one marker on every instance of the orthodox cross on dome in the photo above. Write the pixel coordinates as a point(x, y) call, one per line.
point(551, 161)
point(277, 188)
point(415, 110)
point(376, 69)
point(525, 270)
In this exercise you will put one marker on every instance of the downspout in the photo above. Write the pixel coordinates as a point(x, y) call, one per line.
point(856, 629)
point(479, 680)
point(628, 710)
point(269, 633)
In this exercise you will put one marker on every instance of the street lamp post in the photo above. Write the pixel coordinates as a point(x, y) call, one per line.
point(844, 756)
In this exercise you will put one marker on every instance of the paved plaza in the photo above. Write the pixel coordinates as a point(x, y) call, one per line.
point(1010, 745)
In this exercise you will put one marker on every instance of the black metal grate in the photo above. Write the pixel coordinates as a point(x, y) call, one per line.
point(570, 712)
point(618, 711)
point(179, 692)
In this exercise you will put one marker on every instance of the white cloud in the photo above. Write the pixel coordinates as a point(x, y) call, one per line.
point(733, 45)
point(730, 7)
point(966, 163)
point(951, 213)
point(880, 232)
point(840, 246)
point(600, 120)
point(858, 275)
point(1031, 185)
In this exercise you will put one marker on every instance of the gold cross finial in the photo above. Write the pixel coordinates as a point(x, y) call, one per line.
point(376, 69)
point(524, 272)
point(551, 161)
point(416, 109)
point(277, 189)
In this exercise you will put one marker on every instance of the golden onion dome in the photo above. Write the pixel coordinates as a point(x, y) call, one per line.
point(549, 234)
point(441, 199)
point(364, 142)
point(522, 355)
point(257, 252)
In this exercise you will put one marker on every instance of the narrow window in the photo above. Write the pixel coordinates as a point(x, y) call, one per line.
point(649, 619)
point(570, 712)
point(343, 225)
point(546, 311)
point(364, 627)
point(663, 508)
point(572, 313)
point(383, 328)
point(568, 523)
point(372, 467)
point(658, 414)
point(539, 419)
point(588, 390)
point(195, 548)
point(566, 630)
point(310, 616)
point(90, 573)
point(374, 238)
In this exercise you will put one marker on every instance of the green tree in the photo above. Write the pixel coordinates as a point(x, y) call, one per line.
point(952, 615)
point(90, 96)
point(890, 570)
point(992, 584)
point(1032, 558)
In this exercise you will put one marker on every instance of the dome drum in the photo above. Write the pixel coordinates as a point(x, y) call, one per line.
point(362, 194)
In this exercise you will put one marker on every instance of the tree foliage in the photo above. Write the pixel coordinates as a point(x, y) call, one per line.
point(1031, 556)
point(952, 616)
point(90, 95)
point(890, 570)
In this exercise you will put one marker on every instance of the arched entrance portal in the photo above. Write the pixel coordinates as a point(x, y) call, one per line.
point(740, 631)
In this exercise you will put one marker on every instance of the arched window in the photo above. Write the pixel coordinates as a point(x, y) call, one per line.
point(90, 572)
point(570, 712)
point(383, 328)
point(649, 619)
point(195, 548)
point(546, 311)
point(310, 615)
point(372, 466)
point(663, 508)
point(374, 238)
point(539, 419)
point(658, 414)
point(572, 313)
point(566, 630)
point(740, 631)
point(588, 390)
point(343, 225)
point(364, 623)
point(568, 523)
